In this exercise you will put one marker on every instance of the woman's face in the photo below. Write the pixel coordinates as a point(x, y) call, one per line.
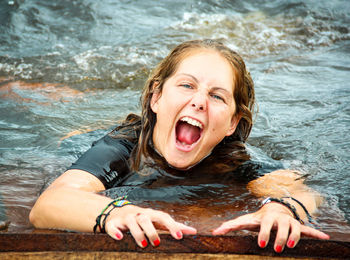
point(195, 109)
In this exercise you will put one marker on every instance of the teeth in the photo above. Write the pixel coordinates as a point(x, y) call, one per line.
point(192, 122)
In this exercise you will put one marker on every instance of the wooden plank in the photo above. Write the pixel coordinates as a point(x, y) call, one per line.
point(200, 244)
point(132, 256)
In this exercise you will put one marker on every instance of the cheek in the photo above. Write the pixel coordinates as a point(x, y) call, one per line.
point(167, 109)
point(174, 103)
point(221, 123)
point(223, 117)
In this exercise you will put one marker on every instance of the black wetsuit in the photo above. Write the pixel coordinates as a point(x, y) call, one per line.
point(108, 160)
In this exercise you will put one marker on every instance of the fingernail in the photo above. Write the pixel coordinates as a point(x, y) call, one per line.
point(278, 249)
point(156, 242)
point(179, 234)
point(290, 243)
point(144, 243)
point(325, 236)
point(118, 236)
point(262, 243)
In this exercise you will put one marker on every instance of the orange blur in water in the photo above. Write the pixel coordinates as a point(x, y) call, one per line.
point(48, 91)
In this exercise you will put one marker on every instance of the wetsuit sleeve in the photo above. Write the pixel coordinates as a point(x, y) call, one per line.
point(107, 159)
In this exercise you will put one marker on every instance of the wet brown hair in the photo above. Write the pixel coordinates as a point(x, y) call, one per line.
point(243, 95)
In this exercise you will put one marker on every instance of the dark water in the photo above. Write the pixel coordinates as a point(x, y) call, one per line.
point(79, 65)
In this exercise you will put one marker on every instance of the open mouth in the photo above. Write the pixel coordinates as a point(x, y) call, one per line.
point(188, 132)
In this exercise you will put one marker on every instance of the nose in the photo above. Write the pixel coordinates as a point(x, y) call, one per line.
point(199, 102)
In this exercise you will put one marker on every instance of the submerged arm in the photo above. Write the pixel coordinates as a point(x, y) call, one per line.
point(287, 183)
point(71, 203)
point(274, 215)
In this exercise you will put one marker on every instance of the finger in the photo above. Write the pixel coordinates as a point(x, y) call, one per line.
point(187, 230)
point(170, 224)
point(243, 222)
point(294, 235)
point(223, 229)
point(136, 231)
point(146, 224)
point(116, 234)
point(265, 230)
point(114, 230)
point(282, 234)
point(311, 232)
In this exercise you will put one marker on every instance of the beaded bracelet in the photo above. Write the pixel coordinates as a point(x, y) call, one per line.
point(117, 203)
point(286, 204)
point(309, 217)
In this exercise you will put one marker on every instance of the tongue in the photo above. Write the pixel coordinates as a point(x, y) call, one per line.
point(187, 133)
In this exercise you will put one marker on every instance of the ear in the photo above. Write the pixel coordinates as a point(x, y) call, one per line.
point(155, 97)
point(234, 123)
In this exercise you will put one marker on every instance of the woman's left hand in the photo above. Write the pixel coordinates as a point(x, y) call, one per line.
point(272, 216)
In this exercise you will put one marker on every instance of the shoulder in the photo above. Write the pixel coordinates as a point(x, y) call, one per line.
point(107, 159)
point(78, 179)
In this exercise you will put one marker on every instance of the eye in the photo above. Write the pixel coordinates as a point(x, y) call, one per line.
point(186, 85)
point(215, 96)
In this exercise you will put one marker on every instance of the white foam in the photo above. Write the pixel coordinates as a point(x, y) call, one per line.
point(256, 33)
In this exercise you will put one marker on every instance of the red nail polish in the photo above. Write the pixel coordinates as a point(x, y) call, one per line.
point(156, 242)
point(262, 243)
point(179, 234)
point(278, 249)
point(144, 243)
point(118, 236)
point(290, 243)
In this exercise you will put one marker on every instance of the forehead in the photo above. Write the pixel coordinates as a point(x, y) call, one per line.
point(208, 66)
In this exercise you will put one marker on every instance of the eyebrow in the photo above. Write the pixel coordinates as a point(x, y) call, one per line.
point(189, 75)
point(197, 81)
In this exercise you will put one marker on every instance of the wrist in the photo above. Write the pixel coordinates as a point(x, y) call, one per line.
point(301, 209)
point(277, 207)
point(283, 204)
point(101, 219)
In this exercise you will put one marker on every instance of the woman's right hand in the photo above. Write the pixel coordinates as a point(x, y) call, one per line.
point(142, 222)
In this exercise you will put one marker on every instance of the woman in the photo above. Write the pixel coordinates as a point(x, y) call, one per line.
point(197, 102)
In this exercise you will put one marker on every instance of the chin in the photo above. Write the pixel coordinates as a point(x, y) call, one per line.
point(180, 164)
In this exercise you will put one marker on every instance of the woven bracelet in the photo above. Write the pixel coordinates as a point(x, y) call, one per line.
point(286, 204)
point(98, 219)
point(117, 203)
point(309, 217)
